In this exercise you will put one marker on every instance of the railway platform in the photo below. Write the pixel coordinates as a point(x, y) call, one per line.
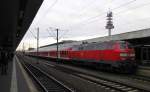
point(16, 79)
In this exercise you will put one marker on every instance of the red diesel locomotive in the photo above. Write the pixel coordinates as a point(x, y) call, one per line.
point(116, 55)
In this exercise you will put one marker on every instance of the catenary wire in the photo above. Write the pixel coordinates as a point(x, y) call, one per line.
point(143, 5)
point(99, 15)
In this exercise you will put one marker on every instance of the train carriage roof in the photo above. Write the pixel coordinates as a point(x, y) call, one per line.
point(66, 45)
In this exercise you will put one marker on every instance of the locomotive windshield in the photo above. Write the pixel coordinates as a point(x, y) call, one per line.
point(129, 45)
point(125, 45)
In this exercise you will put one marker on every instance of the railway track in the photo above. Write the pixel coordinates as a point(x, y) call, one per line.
point(140, 78)
point(103, 82)
point(144, 71)
point(109, 84)
point(46, 82)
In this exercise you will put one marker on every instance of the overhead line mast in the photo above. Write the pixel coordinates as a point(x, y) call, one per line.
point(57, 45)
point(37, 44)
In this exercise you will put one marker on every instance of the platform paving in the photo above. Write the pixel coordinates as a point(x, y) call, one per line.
point(5, 80)
point(16, 79)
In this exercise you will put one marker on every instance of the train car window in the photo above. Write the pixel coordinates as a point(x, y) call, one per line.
point(95, 46)
point(81, 48)
point(104, 46)
point(87, 47)
point(100, 46)
point(65, 52)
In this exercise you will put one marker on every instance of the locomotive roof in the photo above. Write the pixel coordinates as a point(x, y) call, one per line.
point(67, 44)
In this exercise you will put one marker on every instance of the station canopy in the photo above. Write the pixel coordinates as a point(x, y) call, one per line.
point(15, 18)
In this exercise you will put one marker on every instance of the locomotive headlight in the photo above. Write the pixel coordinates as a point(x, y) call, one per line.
point(123, 54)
point(132, 55)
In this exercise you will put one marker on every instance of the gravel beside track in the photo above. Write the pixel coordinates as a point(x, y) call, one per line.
point(104, 80)
point(143, 71)
point(47, 82)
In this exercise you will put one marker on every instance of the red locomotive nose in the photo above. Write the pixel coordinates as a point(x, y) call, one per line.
point(127, 56)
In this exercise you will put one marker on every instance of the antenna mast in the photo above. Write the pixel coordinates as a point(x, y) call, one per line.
point(109, 24)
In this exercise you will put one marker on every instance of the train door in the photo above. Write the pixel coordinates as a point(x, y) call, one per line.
point(145, 55)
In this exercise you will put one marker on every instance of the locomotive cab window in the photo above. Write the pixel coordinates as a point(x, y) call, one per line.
point(123, 45)
point(129, 45)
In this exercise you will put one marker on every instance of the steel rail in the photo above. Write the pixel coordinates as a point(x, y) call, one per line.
point(47, 82)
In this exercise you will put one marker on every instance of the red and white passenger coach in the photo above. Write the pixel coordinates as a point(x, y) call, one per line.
point(116, 55)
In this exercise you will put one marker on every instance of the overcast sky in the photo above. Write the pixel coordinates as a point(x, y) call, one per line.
point(84, 19)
